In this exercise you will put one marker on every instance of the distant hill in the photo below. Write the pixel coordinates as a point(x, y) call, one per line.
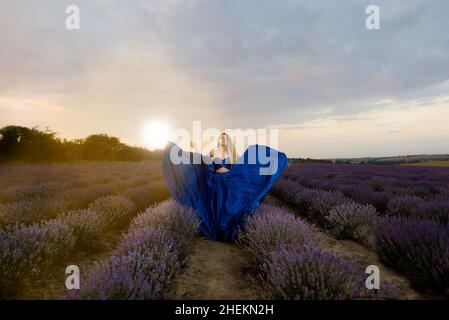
point(407, 159)
point(309, 160)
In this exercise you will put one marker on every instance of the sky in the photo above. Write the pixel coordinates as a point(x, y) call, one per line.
point(311, 69)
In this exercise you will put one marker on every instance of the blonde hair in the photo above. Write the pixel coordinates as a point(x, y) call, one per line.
point(230, 147)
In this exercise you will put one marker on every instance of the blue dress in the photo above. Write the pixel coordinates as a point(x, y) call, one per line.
point(222, 201)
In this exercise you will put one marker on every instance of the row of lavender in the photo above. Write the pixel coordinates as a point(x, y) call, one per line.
point(401, 212)
point(148, 257)
point(289, 263)
point(396, 190)
point(28, 251)
point(42, 192)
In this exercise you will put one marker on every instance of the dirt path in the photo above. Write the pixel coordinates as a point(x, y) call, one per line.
point(216, 270)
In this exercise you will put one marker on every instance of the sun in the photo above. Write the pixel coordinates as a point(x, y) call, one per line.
point(156, 134)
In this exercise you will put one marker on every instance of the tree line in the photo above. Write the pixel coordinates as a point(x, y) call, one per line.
point(34, 145)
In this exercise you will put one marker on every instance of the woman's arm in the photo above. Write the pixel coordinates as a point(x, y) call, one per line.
point(194, 148)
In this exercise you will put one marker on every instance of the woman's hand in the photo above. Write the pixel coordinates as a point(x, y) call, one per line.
point(192, 145)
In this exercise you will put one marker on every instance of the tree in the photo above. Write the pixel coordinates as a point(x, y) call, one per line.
point(100, 147)
point(20, 143)
point(33, 145)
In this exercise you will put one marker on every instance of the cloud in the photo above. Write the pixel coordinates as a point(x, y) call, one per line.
point(16, 102)
point(255, 63)
point(277, 59)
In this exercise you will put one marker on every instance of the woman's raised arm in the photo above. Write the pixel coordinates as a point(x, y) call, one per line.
point(193, 148)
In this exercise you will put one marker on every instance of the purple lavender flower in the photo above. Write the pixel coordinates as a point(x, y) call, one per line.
point(28, 250)
point(432, 208)
point(29, 210)
point(353, 221)
point(270, 228)
point(417, 196)
point(181, 222)
point(142, 274)
point(306, 273)
point(404, 205)
point(85, 226)
point(115, 209)
point(319, 204)
point(148, 194)
point(148, 256)
point(418, 248)
point(78, 198)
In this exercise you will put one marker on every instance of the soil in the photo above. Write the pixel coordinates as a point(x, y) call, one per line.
point(216, 270)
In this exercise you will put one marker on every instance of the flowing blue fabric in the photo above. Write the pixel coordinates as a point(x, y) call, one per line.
point(222, 201)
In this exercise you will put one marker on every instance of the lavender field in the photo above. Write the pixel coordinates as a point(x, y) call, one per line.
point(312, 239)
point(401, 213)
point(54, 215)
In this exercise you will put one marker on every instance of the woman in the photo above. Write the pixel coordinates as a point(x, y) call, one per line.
point(225, 156)
point(223, 188)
